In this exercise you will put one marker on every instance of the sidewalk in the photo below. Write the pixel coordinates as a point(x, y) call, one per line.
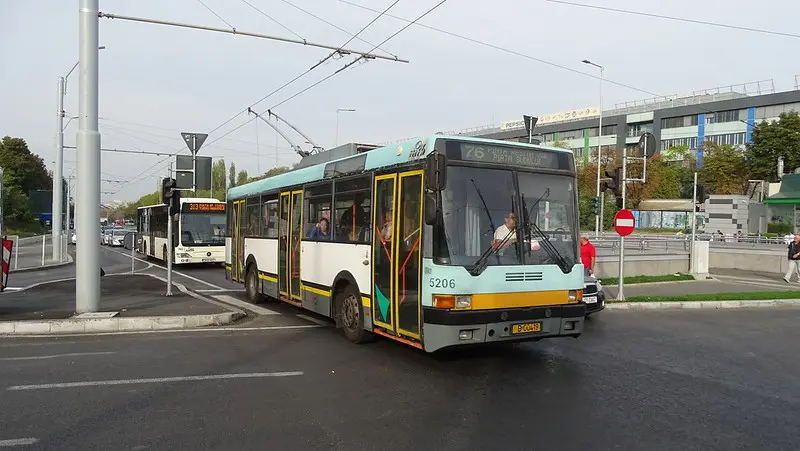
point(128, 302)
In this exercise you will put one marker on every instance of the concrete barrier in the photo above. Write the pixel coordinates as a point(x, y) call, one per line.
point(643, 265)
point(759, 260)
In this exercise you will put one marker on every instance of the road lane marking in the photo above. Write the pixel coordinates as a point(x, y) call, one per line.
point(154, 380)
point(154, 265)
point(18, 442)
point(232, 290)
point(54, 356)
point(312, 319)
point(165, 331)
point(245, 305)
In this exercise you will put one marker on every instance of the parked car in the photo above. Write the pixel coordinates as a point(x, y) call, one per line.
point(74, 238)
point(593, 295)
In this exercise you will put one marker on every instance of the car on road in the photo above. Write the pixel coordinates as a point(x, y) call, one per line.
point(593, 295)
point(116, 237)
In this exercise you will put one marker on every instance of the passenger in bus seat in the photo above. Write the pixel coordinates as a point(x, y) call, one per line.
point(386, 228)
point(321, 231)
point(355, 213)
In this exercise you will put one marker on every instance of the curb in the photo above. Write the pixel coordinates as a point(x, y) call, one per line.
point(124, 324)
point(701, 304)
point(69, 261)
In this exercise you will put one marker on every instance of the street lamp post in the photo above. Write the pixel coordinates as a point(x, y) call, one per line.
point(339, 110)
point(58, 173)
point(597, 218)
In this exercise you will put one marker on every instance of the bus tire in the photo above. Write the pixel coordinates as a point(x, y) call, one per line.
point(350, 315)
point(251, 285)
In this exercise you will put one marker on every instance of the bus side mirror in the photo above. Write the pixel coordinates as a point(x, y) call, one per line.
point(431, 209)
point(436, 171)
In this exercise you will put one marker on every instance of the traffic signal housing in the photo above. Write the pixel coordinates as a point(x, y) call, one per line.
point(595, 205)
point(168, 187)
point(170, 195)
point(615, 181)
point(702, 194)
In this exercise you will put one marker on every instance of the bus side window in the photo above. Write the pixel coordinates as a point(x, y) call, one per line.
point(317, 206)
point(270, 226)
point(253, 218)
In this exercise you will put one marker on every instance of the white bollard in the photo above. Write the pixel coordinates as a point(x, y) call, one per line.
point(44, 244)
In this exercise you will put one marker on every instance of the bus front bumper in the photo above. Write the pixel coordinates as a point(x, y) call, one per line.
point(445, 328)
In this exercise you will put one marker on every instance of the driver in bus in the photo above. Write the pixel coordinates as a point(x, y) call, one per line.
point(508, 229)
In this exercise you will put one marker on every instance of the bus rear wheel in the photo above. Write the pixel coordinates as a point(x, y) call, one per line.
point(350, 315)
point(252, 286)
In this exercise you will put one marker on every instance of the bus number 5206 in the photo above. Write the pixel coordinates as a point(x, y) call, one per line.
point(442, 283)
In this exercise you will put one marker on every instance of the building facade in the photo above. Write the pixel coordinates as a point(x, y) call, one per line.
point(722, 115)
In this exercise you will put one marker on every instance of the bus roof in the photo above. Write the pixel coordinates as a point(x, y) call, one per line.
point(386, 156)
point(196, 200)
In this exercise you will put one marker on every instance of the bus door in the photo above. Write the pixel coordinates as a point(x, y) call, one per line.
point(397, 253)
point(237, 242)
point(290, 234)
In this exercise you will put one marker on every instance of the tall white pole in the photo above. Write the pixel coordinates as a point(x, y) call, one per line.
point(598, 219)
point(694, 224)
point(87, 265)
point(620, 294)
point(58, 175)
point(337, 128)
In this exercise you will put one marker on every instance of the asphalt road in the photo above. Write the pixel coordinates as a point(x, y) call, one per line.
point(661, 380)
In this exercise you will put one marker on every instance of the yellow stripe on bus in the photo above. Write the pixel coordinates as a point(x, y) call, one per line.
point(315, 290)
point(268, 278)
point(516, 300)
point(365, 301)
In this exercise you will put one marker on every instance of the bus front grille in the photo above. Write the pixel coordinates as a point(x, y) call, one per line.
point(523, 276)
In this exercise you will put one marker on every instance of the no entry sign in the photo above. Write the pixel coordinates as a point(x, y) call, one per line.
point(624, 222)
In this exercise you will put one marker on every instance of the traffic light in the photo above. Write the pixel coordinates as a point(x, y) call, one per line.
point(595, 205)
point(702, 194)
point(170, 195)
point(168, 186)
point(614, 184)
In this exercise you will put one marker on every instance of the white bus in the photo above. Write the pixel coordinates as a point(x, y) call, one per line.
point(198, 233)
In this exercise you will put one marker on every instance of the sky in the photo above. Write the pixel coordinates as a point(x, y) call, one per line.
point(157, 81)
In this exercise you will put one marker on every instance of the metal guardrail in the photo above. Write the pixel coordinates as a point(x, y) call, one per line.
point(653, 243)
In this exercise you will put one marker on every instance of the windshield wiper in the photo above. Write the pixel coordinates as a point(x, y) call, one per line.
point(482, 261)
point(546, 244)
point(488, 215)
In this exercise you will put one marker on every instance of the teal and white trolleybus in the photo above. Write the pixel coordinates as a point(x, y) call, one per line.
point(435, 242)
point(198, 232)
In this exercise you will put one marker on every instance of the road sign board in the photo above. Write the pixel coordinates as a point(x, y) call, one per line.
point(194, 140)
point(624, 222)
point(647, 142)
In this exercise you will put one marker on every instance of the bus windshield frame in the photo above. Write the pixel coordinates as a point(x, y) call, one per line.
point(479, 197)
point(201, 225)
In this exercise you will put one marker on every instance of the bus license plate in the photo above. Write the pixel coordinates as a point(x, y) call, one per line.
point(590, 299)
point(205, 260)
point(526, 328)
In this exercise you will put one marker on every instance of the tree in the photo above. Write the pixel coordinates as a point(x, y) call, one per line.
point(681, 152)
point(218, 184)
point(779, 138)
point(28, 170)
point(724, 170)
point(232, 175)
point(241, 179)
point(272, 172)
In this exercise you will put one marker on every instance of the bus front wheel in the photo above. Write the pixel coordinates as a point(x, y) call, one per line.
point(350, 315)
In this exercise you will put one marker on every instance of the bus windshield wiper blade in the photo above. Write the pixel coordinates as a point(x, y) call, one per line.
point(551, 249)
point(480, 264)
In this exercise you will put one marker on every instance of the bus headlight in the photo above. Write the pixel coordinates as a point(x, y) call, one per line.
point(575, 295)
point(183, 255)
point(463, 301)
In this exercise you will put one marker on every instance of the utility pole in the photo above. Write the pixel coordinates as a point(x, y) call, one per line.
point(58, 175)
point(87, 265)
